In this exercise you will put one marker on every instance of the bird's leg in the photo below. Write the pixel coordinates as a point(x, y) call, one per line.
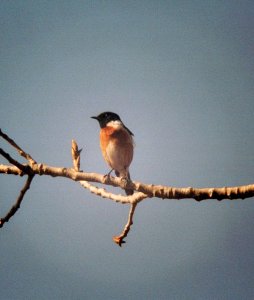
point(106, 176)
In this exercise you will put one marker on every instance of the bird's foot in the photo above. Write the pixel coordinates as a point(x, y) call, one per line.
point(125, 180)
point(106, 176)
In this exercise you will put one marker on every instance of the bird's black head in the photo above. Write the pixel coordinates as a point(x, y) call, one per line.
point(106, 117)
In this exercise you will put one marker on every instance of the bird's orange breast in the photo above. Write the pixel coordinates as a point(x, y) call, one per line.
point(116, 146)
point(105, 136)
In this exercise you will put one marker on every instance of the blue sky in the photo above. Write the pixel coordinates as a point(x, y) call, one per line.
point(180, 75)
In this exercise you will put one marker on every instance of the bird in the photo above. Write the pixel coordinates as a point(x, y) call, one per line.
point(116, 143)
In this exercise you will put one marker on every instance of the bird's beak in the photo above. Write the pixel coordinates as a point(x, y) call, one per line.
point(94, 118)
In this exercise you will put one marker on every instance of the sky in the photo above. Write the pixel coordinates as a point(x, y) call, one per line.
point(181, 76)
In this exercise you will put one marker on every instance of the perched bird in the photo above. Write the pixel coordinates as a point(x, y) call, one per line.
point(116, 142)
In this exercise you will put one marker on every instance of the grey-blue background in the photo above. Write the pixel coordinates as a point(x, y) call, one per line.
point(180, 74)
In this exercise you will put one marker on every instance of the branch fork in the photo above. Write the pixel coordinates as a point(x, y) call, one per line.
point(119, 240)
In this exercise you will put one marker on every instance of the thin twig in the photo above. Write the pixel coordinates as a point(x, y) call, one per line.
point(20, 150)
point(119, 239)
point(6, 155)
point(17, 204)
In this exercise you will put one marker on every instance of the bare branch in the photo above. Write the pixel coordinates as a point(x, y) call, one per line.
point(158, 191)
point(199, 194)
point(20, 151)
point(16, 206)
point(119, 239)
point(143, 191)
point(135, 198)
point(12, 170)
point(6, 155)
